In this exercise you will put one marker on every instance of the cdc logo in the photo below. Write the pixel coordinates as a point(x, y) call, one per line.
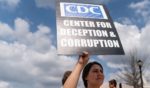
point(82, 10)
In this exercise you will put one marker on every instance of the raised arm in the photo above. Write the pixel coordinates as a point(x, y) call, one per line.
point(72, 80)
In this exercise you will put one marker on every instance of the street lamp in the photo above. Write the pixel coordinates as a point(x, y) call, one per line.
point(140, 64)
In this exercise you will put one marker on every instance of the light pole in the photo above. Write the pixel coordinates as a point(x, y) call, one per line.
point(120, 85)
point(140, 64)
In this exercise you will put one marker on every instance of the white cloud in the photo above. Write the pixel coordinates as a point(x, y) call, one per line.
point(115, 65)
point(129, 36)
point(6, 31)
point(40, 40)
point(126, 20)
point(140, 5)
point(9, 3)
point(29, 60)
point(4, 84)
point(45, 3)
point(132, 38)
point(142, 9)
point(145, 38)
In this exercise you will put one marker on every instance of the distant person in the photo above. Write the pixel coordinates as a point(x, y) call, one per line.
point(120, 85)
point(92, 74)
point(112, 83)
point(65, 76)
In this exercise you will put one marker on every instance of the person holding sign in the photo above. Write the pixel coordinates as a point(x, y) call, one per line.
point(92, 73)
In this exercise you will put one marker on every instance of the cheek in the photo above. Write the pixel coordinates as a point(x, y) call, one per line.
point(92, 76)
point(103, 76)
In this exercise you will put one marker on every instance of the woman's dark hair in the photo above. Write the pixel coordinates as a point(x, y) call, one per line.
point(66, 75)
point(86, 71)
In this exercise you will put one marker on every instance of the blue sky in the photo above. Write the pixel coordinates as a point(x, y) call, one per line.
point(28, 53)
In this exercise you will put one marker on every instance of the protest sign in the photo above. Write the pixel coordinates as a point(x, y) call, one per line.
point(85, 27)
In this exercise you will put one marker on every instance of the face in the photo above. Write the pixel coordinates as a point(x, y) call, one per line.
point(111, 85)
point(95, 76)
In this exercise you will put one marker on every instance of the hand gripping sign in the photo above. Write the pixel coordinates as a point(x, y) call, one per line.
point(85, 27)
